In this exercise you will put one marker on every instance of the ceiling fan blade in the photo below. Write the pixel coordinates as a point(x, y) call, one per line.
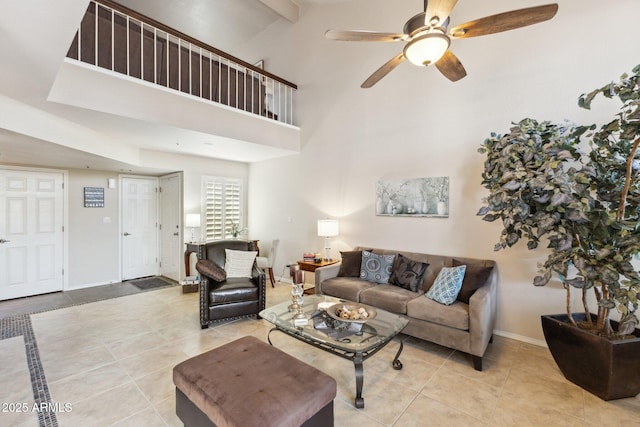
point(504, 21)
point(451, 67)
point(383, 71)
point(440, 9)
point(365, 36)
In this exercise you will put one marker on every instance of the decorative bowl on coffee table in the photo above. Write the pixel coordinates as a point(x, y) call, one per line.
point(351, 312)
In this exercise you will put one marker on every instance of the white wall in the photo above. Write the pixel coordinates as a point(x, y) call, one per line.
point(94, 245)
point(93, 232)
point(415, 123)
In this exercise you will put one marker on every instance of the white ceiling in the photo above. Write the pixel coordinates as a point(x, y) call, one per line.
point(34, 38)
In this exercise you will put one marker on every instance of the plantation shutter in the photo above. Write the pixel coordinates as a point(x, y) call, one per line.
point(222, 204)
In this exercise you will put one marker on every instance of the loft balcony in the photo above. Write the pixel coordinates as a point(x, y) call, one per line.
point(119, 60)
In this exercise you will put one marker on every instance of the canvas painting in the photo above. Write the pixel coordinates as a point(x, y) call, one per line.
point(419, 197)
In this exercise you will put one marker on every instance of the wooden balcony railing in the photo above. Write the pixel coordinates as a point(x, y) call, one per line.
point(115, 38)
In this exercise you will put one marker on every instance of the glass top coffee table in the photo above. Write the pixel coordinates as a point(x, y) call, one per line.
point(355, 341)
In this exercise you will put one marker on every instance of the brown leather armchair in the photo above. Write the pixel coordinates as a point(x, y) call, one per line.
point(233, 298)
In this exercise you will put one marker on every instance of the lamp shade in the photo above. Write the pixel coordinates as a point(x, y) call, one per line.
point(192, 220)
point(327, 227)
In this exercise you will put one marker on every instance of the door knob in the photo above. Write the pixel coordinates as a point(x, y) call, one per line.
point(4, 241)
point(126, 234)
point(175, 234)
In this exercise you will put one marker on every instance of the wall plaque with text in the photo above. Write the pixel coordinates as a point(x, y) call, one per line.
point(94, 197)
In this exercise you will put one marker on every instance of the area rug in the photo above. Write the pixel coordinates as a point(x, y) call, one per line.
point(151, 283)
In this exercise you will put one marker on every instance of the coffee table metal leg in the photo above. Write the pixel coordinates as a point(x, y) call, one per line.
point(269, 335)
point(357, 363)
point(397, 364)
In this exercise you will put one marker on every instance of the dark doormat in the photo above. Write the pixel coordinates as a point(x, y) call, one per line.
point(151, 283)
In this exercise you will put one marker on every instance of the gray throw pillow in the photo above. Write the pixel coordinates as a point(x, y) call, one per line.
point(376, 268)
point(408, 274)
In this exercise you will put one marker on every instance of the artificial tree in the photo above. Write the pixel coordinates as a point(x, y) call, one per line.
point(578, 187)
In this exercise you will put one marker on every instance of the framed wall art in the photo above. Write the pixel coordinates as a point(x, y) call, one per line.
point(418, 197)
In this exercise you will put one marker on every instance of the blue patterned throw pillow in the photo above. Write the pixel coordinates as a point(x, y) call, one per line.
point(376, 268)
point(447, 285)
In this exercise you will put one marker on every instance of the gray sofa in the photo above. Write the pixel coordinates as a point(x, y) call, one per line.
point(467, 327)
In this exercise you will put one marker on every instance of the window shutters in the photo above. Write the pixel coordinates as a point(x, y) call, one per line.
point(222, 204)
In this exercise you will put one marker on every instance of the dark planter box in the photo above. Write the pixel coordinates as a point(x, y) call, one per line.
point(609, 369)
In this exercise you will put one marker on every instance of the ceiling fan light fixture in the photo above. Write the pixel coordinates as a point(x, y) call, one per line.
point(427, 49)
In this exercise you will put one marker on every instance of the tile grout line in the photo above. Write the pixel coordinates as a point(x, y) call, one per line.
point(20, 325)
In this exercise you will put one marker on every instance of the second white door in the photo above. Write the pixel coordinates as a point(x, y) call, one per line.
point(139, 227)
point(170, 239)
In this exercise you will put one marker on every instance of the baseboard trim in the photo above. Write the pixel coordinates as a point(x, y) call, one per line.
point(523, 338)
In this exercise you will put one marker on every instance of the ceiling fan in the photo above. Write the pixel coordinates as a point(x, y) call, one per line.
point(428, 36)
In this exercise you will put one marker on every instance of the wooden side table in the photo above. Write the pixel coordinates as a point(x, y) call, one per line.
point(311, 266)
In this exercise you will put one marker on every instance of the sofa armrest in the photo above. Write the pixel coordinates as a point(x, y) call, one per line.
point(482, 314)
point(324, 273)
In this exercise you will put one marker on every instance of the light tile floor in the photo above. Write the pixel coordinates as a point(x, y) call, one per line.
point(109, 363)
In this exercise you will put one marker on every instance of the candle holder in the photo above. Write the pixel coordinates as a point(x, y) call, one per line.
point(296, 295)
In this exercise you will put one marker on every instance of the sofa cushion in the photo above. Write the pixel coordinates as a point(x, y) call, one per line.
point(455, 315)
point(348, 288)
point(475, 276)
point(408, 274)
point(387, 297)
point(350, 264)
point(447, 286)
point(376, 268)
point(208, 268)
point(239, 263)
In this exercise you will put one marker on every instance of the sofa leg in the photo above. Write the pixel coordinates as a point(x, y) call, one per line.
point(205, 326)
point(477, 362)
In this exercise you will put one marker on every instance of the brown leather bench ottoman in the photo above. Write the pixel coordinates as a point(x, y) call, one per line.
point(248, 383)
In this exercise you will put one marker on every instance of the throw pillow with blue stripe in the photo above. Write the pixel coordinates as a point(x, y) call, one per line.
point(447, 285)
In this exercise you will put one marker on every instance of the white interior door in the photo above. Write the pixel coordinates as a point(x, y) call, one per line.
point(139, 227)
point(31, 234)
point(170, 239)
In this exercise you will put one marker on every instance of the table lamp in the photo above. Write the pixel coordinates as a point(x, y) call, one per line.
point(327, 228)
point(193, 221)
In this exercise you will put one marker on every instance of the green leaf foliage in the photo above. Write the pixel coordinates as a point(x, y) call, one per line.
point(564, 183)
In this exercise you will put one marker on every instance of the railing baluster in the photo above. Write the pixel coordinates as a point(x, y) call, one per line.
point(95, 51)
point(155, 56)
point(113, 44)
point(80, 41)
point(141, 50)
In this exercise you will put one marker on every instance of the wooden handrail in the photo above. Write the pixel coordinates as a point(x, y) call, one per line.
point(145, 19)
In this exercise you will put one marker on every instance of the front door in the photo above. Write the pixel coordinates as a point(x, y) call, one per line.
point(31, 232)
point(139, 227)
point(171, 241)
